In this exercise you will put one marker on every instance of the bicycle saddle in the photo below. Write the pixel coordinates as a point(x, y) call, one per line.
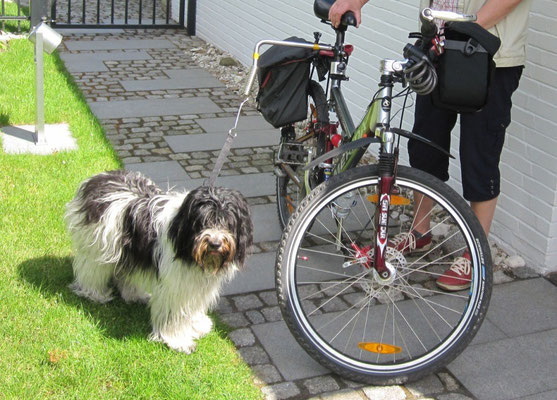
point(321, 10)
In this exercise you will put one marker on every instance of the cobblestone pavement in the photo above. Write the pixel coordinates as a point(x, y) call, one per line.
point(150, 138)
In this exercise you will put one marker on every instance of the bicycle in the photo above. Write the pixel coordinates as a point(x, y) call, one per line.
point(357, 304)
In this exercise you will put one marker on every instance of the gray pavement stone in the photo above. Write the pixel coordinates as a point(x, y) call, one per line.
point(94, 62)
point(242, 337)
point(249, 185)
point(509, 369)
point(280, 391)
point(253, 123)
point(450, 383)
point(215, 141)
point(257, 274)
point(255, 317)
point(453, 396)
point(321, 384)
point(287, 355)
point(426, 386)
point(384, 393)
point(147, 108)
point(73, 45)
point(265, 223)
point(345, 394)
point(247, 302)
point(272, 314)
point(254, 355)
point(270, 298)
point(266, 373)
point(235, 320)
point(177, 79)
point(524, 307)
point(162, 172)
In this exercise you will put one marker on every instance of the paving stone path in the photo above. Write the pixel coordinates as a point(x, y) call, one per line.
point(167, 118)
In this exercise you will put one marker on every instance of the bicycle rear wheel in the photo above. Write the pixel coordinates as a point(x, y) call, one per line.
point(366, 329)
point(308, 134)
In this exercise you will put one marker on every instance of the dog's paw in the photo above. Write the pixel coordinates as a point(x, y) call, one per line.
point(202, 325)
point(91, 294)
point(187, 347)
point(182, 344)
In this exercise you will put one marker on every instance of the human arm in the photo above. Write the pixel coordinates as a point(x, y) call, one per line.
point(493, 11)
point(341, 7)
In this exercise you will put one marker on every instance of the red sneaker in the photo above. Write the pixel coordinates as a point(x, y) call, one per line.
point(458, 276)
point(408, 242)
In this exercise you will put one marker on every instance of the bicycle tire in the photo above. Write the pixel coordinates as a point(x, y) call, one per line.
point(308, 302)
point(287, 196)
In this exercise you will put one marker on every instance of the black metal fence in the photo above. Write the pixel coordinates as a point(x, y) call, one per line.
point(123, 14)
point(15, 14)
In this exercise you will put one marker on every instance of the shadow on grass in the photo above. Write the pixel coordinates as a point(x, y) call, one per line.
point(4, 119)
point(51, 277)
point(116, 319)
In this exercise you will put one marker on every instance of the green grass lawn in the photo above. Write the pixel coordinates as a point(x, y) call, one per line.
point(54, 344)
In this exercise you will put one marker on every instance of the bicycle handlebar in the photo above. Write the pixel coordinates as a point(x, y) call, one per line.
point(429, 15)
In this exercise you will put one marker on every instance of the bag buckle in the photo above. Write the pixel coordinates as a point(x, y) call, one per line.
point(471, 47)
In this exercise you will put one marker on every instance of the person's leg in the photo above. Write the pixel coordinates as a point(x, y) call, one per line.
point(484, 210)
point(434, 124)
point(481, 144)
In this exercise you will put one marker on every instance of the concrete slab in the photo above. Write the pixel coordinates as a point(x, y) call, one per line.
point(177, 79)
point(266, 226)
point(94, 62)
point(287, 355)
point(217, 125)
point(22, 139)
point(160, 171)
point(524, 307)
point(73, 45)
point(258, 274)
point(153, 107)
point(259, 184)
point(215, 141)
point(509, 369)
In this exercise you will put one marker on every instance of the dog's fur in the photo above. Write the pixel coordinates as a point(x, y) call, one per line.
point(170, 250)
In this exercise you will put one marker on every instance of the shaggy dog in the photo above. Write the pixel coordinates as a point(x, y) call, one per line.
point(170, 250)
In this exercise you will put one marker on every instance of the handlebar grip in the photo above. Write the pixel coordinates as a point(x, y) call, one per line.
point(348, 19)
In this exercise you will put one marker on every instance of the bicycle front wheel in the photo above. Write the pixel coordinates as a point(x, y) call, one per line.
point(359, 325)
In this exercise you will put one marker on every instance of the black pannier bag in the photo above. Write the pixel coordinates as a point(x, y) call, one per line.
point(284, 83)
point(465, 68)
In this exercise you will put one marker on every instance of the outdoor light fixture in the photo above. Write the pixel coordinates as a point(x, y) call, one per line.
point(50, 38)
point(45, 39)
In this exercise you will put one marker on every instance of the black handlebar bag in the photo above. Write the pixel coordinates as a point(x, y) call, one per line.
point(284, 83)
point(465, 68)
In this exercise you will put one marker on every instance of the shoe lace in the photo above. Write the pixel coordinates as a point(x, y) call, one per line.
point(408, 239)
point(461, 266)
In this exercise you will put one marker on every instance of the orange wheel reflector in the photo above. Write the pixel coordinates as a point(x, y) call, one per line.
point(395, 200)
point(381, 348)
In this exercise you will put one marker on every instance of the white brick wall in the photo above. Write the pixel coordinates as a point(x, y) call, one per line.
point(526, 218)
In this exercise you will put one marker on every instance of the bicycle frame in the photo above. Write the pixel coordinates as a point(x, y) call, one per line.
point(374, 128)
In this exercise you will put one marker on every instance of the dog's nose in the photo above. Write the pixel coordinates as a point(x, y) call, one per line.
point(215, 243)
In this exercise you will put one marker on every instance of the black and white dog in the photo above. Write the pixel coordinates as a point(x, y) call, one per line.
point(170, 250)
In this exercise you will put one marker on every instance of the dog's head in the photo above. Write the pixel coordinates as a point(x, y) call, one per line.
point(212, 228)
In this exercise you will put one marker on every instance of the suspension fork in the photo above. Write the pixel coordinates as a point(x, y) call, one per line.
point(387, 165)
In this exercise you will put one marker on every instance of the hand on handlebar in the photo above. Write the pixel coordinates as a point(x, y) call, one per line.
point(341, 7)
